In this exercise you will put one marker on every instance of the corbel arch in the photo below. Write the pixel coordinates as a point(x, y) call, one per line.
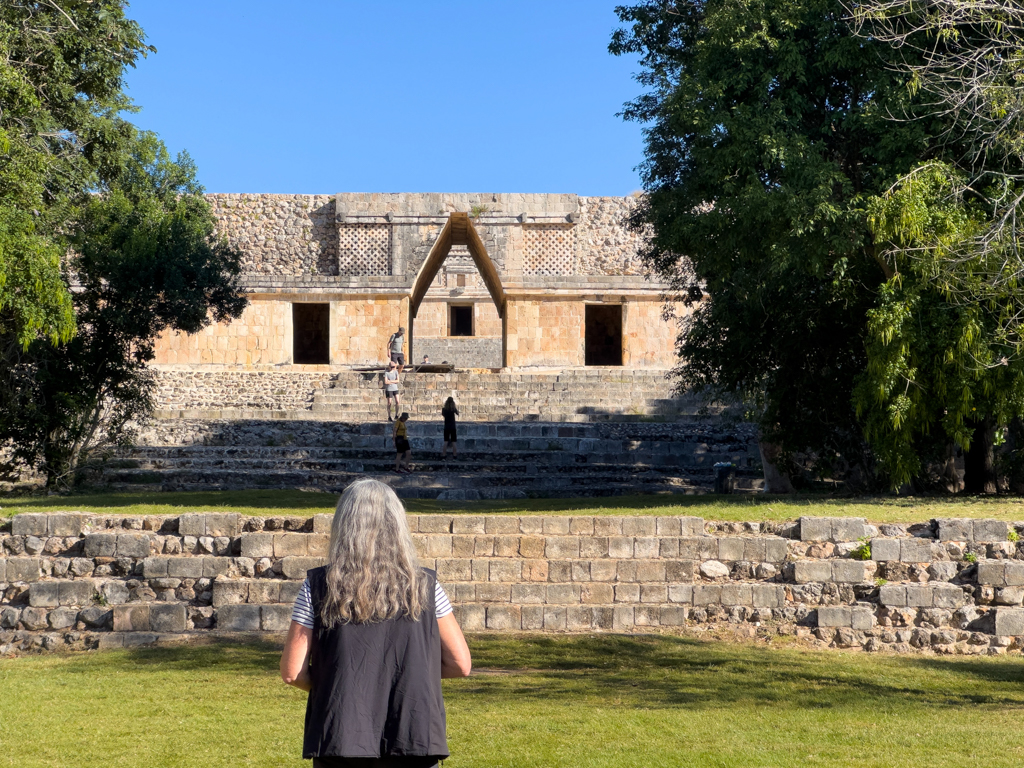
point(458, 230)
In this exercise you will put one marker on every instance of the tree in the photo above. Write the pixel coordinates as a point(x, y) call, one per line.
point(144, 259)
point(945, 363)
point(767, 135)
point(61, 95)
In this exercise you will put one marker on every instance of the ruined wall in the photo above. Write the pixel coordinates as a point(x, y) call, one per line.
point(73, 580)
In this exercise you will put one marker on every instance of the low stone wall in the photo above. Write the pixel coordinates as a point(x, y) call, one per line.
point(948, 586)
point(243, 390)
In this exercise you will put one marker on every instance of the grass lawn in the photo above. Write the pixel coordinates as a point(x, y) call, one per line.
point(751, 507)
point(543, 701)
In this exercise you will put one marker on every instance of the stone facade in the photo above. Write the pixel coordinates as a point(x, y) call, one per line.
point(360, 255)
point(106, 581)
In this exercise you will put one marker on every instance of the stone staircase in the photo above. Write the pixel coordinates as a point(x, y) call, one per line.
point(571, 395)
point(497, 459)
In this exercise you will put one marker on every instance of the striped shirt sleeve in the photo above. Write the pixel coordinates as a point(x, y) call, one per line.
point(302, 612)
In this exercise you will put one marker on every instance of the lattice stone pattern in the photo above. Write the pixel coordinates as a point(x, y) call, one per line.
point(364, 249)
point(549, 249)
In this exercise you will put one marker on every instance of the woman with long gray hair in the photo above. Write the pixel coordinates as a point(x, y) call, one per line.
point(372, 634)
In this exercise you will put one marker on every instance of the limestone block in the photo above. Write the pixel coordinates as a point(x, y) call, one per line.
point(1013, 573)
point(620, 546)
point(847, 571)
point(646, 546)
point(275, 618)
point(754, 550)
point(79, 592)
point(473, 617)
point(216, 566)
point(916, 551)
point(296, 567)
point(576, 618)
point(713, 569)
point(27, 569)
point(639, 526)
point(835, 616)
point(131, 618)
point(289, 545)
point(529, 594)
point(192, 524)
point(691, 526)
point(228, 592)
point(862, 618)
point(948, 596)
point(563, 593)
point(264, 591)
point(9, 617)
point(811, 571)
point(607, 526)
point(29, 524)
point(99, 545)
point(919, 595)
point(468, 524)
point(885, 549)
point(222, 524)
point(257, 545)
point(289, 591)
point(43, 594)
point(3, 570)
point(557, 547)
point(504, 570)
point(504, 546)
point(437, 524)
point(1009, 622)
point(317, 545)
point(848, 528)
point(705, 594)
point(34, 618)
point(730, 549)
point(322, 523)
point(630, 593)
point(690, 548)
point(668, 526)
point(96, 617)
point(185, 567)
point(239, 618)
point(66, 524)
point(155, 567)
point(990, 531)
point(815, 528)
point(768, 596)
point(597, 593)
point(167, 617)
point(992, 572)
point(62, 618)
point(495, 592)
point(736, 594)
point(956, 529)
point(504, 617)
point(133, 545)
point(893, 595)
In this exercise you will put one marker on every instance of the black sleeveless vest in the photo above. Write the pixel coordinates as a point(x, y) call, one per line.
point(376, 687)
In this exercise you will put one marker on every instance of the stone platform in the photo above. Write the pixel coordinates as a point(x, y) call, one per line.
point(948, 586)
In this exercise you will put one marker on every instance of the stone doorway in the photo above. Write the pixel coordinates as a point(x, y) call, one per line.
point(311, 334)
point(603, 334)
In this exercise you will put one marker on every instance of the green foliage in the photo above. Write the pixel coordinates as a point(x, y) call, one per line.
point(970, 557)
point(1013, 535)
point(863, 550)
point(476, 211)
point(768, 132)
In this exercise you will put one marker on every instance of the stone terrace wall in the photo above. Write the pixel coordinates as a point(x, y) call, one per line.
point(84, 581)
point(242, 390)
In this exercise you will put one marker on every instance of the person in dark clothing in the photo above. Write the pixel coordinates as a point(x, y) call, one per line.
point(371, 636)
point(448, 413)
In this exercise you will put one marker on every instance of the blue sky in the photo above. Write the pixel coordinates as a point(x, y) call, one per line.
point(390, 97)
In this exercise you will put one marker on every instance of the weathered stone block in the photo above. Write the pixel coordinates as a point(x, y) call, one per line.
point(768, 595)
point(155, 567)
point(43, 594)
point(192, 524)
point(215, 566)
point(990, 531)
point(578, 617)
point(1009, 622)
point(646, 615)
point(185, 567)
point(847, 571)
point(454, 569)
point(815, 528)
point(133, 545)
point(639, 526)
point(34, 618)
point(835, 616)
point(919, 596)
point(1013, 573)
point(775, 549)
point(591, 547)
point(947, 596)
point(436, 524)
point(99, 545)
point(597, 593)
point(992, 572)
point(9, 617)
point(473, 617)
point(239, 618)
point(504, 570)
point(646, 547)
point(689, 548)
point(558, 547)
point(529, 593)
point(563, 593)
point(848, 528)
point(296, 567)
point(504, 546)
point(290, 545)
point(730, 548)
point(861, 618)
point(893, 595)
point(275, 618)
point(494, 592)
point(468, 524)
point(317, 545)
point(537, 570)
point(62, 618)
point(672, 616)
point(3, 570)
point(916, 551)
point(227, 592)
point(29, 524)
point(812, 571)
point(956, 529)
point(668, 526)
point(289, 591)
point(754, 550)
point(65, 524)
point(167, 617)
point(885, 549)
point(322, 523)
point(691, 526)
point(630, 593)
point(27, 569)
point(707, 594)
point(257, 545)
point(504, 617)
point(620, 547)
point(97, 617)
point(131, 618)
point(222, 524)
point(607, 526)
point(555, 617)
point(502, 524)
point(115, 592)
point(736, 594)
point(532, 617)
point(263, 591)
point(79, 592)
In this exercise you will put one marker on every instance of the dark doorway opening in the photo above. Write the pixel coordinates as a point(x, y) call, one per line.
point(603, 331)
point(461, 323)
point(311, 334)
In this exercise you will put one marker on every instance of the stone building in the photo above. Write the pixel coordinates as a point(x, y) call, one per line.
point(512, 281)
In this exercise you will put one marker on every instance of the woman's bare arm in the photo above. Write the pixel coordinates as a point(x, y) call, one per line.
point(295, 659)
point(455, 659)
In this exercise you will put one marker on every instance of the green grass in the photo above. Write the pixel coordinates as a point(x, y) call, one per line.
point(601, 702)
point(753, 507)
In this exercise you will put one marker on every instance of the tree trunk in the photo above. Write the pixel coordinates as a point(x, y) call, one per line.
point(980, 459)
point(775, 480)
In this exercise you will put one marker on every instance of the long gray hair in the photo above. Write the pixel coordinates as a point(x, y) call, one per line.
point(373, 573)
